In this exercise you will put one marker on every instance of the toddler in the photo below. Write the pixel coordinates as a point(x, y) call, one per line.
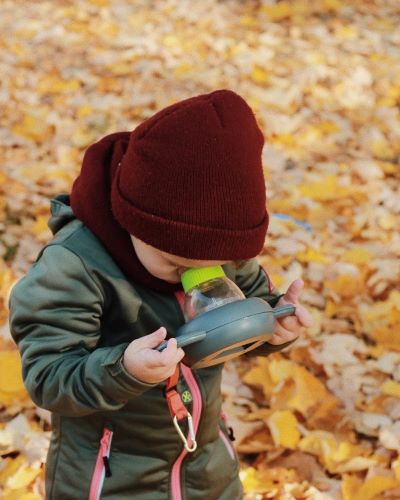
point(184, 189)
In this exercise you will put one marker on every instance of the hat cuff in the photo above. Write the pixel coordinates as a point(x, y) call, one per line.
point(187, 240)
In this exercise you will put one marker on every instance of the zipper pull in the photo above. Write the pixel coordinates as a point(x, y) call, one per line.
point(107, 467)
point(104, 443)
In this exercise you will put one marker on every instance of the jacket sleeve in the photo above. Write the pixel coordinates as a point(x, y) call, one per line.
point(55, 320)
point(254, 281)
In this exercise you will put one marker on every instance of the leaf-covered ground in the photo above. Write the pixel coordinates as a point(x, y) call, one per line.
point(321, 420)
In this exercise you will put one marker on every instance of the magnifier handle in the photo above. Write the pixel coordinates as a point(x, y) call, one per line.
point(184, 340)
point(286, 310)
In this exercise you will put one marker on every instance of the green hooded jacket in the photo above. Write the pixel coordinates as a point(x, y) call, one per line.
point(72, 316)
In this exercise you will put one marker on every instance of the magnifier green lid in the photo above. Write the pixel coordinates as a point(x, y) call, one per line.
point(196, 275)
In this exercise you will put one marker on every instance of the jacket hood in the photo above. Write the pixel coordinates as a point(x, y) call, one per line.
point(61, 213)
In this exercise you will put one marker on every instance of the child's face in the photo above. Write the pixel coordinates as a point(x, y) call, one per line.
point(164, 265)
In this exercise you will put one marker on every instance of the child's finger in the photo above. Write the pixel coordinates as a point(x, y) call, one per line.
point(152, 340)
point(290, 322)
point(171, 355)
point(304, 316)
point(293, 292)
point(282, 335)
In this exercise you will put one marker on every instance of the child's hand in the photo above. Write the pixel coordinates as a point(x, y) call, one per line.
point(148, 365)
point(290, 327)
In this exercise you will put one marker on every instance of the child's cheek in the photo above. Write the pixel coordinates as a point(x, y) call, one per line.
point(168, 273)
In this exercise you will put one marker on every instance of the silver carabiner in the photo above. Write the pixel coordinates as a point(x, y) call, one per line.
point(192, 434)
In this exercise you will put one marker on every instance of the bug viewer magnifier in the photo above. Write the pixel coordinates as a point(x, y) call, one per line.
point(221, 323)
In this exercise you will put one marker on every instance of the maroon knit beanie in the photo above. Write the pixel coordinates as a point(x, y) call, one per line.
point(191, 182)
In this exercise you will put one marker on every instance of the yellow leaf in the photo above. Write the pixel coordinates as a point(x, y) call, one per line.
point(331, 308)
point(53, 84)
point(171, 41)
point(382, 24)
point(247, 21)
point(333, 5)
point(357, 255)
point(314, 133)
point(350, 485)
point(40, 225)
point(10, 467)
point(33, 128)
point(11, 383)
point(283, 427)
point(332, 452)
point(376, 351)
point(277, 279)
point(254, 482)
point(325, 189)
point(312, 255)
point(259, 375)
point(314, 57)
point(21, 494)
point(82, 137)
point(23, 477)
point(345, 451)
point(77, 27)
point(279, 369)
point(386, 336)
point(83, 111)
point(382, 150)
point(18, 49)
point(388, 221)
point(100, 3)
point(318, 443)
point(391, 388)
point(328, 127)
point(386, 101)
point(183, 69)
point(309, 392)
point(283, 139)
point(278, 11)
point(396, 468)
point(62, 174)
point(120, 69)
point(394, 299)
point(259, 75)
point(346, 285)
point(318, 317)
point(267, 479)
point(382, 310)
point(375, 485)
point(347, 32)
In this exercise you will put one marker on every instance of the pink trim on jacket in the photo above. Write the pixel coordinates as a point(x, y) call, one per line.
point(96, 484)
point(176, 487)
point(196, 413)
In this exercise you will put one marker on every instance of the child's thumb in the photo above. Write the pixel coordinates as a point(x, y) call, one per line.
point(294, 290)
point(152, 340)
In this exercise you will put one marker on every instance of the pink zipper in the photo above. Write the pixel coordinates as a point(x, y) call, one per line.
point(196, 412)
point(101, 465)
point(176, 488)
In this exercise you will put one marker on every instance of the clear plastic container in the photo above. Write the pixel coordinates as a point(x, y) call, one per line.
point(207, 288)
